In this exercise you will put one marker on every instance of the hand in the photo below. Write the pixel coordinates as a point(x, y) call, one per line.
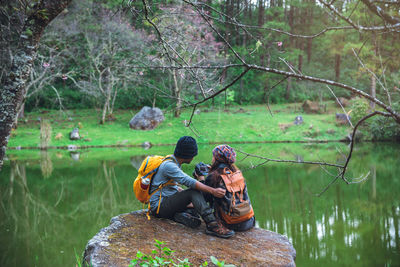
point(219, 192)
point(200, 178)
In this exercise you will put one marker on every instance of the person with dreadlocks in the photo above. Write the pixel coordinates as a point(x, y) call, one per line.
point(234, 210)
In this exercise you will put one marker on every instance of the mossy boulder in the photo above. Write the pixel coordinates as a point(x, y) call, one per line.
point(117, 244)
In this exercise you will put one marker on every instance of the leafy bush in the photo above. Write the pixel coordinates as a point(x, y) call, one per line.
point(359, 109)
point(383, 128)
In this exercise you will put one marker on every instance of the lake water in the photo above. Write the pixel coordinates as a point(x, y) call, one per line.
point(53, 202)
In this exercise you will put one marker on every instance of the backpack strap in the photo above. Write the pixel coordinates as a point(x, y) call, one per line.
point(169, 183)
point(160, 187)
point(169, 157)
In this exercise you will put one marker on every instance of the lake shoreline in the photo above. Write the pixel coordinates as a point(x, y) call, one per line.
point(76, 147)
point(199, 143)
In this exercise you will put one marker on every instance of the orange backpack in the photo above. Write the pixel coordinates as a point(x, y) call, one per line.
point(237, 206)
point(148, 169)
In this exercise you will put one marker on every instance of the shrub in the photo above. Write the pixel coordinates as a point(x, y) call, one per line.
point(383, 128)
point(359, 109)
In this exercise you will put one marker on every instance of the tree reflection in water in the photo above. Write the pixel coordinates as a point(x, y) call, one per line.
point(45, 219)
point(349, 225)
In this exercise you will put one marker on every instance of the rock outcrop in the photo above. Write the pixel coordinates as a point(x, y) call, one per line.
point(117, 244)
point(147, 119)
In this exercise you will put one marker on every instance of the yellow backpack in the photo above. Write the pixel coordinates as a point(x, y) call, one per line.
point(142, 183)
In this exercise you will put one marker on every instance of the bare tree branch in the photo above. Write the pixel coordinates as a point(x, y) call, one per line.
point(337, 101)
point(290, 161)
point(353, 137)
point(381, 13)
point(373, 74)
point(394, 26)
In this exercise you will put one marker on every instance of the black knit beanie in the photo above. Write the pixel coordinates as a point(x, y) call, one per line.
point(186, 148)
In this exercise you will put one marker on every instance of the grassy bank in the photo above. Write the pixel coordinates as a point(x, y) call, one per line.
point(236, 124)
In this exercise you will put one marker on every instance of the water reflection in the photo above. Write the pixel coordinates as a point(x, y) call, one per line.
point(136, 161)
point(47, 215)
point(75, 155)
point(349, 225)
point(54, 204)
point(46, 165)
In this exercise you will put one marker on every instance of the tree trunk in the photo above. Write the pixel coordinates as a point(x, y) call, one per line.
point(288, 88)
point(302, 14)
point(21, 114)
point(154, 98)
point(107, 107)
point(291, 24)
point(373, 91)
point(20, 29)
point(310, 24)
point(337, 66)
point(309, 50)
point(103, 116)
point(373, 78)
point(300, 66)
point(250, 11)
point(260, 23)
point(178, 107)
point(266, 85)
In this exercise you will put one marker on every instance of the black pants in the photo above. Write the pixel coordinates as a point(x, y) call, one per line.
point(178, 203)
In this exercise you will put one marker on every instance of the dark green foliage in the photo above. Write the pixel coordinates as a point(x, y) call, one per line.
point(316, 57)
point(383, 128)
point(360, 108)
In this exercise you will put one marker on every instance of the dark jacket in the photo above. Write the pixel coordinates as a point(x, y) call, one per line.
point(214, 180)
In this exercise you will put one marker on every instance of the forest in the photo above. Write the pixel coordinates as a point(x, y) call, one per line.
point(179, 54)
point(104, 54)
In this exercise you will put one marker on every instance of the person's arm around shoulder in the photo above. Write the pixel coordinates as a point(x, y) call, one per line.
point(216, 192)
point(172, 171)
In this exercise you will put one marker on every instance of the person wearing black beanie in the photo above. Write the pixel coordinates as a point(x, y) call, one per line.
point(186, 148)
point(172, 202)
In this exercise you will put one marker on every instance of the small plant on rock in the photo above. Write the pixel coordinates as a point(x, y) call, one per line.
point(163, 256)
point(220, 263)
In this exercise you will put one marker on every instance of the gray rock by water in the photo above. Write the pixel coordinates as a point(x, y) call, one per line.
point(74, 135)
point(146, 145)
point(147, 119)
point(342, 118)
point(117, 244)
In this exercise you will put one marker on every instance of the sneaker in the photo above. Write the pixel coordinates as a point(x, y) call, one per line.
point(217, 229)
point(187, 219)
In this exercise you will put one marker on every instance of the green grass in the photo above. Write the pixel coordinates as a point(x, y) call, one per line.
point(254, 124)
